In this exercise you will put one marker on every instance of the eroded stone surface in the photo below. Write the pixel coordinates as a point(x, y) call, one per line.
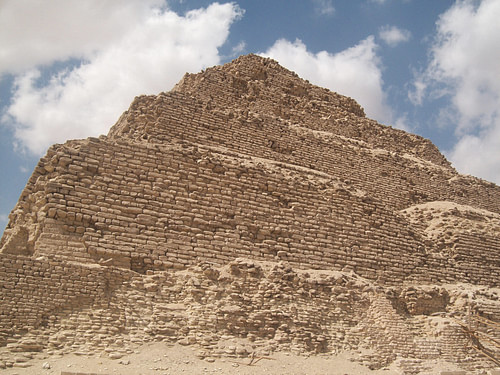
point(249, 203)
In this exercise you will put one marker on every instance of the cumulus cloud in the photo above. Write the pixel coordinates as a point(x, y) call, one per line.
point(238, 49)
point(479, 155)
point(39, 32)
point(149, 56)
point(464, 68)
point(417, 92)
point(355, 72)
point(392, 35)
point(324, 7)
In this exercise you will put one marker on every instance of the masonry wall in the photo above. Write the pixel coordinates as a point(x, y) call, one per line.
point(254, 85)
point(36, 292)
point(105, 310)
point(163, 207)
point(248, 203)
point(399, 177)
point(154, 207)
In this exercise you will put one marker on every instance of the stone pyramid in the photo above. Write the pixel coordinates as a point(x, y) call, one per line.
point(250, 206)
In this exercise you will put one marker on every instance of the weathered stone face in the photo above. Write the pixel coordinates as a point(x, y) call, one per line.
point(218, 196)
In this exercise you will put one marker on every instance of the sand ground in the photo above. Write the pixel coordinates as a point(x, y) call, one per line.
point(163, 359)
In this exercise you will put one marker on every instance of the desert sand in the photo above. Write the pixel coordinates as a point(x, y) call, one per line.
point(168, 359)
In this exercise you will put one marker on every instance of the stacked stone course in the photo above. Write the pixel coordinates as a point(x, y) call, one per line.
point(250, 204)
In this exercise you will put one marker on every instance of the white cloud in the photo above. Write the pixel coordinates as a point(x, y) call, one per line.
point(402, 123)
point(355, 72)
point(464, 67)
point(382, 2)
point(392, 35)
point(417, 93)
point(479, 155)
point(238, 49)
point(39, 32)
point(324, 7)
point(150, 56)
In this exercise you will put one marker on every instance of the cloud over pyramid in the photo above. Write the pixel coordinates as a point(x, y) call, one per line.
point(250, 204)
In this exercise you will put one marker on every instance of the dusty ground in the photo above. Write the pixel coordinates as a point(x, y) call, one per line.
point(160, 359)
point(163, 359)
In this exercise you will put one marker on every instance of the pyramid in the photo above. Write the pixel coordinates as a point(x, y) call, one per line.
point(248, 206)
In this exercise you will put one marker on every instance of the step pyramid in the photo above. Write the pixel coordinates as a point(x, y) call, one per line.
point(249, 206)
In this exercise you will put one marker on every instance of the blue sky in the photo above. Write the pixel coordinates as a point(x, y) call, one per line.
point(69, 68)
